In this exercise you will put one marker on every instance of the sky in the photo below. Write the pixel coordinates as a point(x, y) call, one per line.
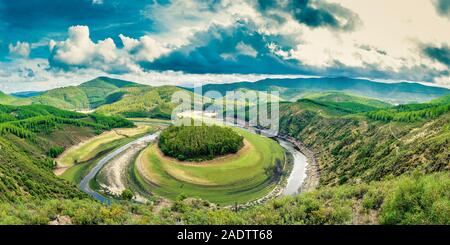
point(52, 43)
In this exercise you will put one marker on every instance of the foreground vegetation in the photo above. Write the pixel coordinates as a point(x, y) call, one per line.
point(412, 199)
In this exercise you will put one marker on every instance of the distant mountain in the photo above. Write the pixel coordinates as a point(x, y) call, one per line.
point(88, 95)
point(26, 94)
point(11, 100)
point(347, 102)
point(129, 99)
point(107, 96)
point(293, 89)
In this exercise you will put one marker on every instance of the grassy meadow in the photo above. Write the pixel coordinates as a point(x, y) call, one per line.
point(239, 177)
point(80, 158)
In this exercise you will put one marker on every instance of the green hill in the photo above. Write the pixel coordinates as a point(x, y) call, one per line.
point(88, 95)
point(296, 88)
point(65, 98)
point(350, 102)
point(30, 136)
point(107, 96)
point(12, 100)
point(354, 147)
point(154, 102)
point(413, 112)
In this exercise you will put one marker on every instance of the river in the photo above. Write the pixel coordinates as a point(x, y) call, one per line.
point(84, 184)
point(298, 173)
point(294, 182)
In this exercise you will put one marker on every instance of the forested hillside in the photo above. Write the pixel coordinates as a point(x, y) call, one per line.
point(413, 112)
point(297, 88)
point(359, 147)
point(154, 102)
point(372, 170)
point(107, 96)
point(30, 137)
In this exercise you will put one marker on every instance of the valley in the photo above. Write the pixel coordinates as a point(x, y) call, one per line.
point(355, 159)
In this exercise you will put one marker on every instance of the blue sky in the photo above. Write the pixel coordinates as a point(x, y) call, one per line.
point(45, 44)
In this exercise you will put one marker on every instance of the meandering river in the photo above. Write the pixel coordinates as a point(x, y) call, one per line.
point(298, 173)
point(294, 181)
point(84, 184)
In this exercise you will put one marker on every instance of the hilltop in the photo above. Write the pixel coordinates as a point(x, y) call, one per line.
point(105, 95)
point(129, 99)
point(296, 88)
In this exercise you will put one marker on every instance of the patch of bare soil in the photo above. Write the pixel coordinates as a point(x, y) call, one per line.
point(61, 220)
point(114, 174)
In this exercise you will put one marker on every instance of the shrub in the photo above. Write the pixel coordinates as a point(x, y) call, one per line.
point(127, 194)
point(55, 151)
point(424, 200)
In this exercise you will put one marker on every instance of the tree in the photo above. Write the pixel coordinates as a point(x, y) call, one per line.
point(127, 194)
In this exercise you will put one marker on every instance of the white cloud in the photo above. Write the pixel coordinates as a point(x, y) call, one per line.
point(79, 51)
point(387, 40)
point(390, 35)
point(144, 49)
point(182, 19)
point(42, 78)
point(21, 49)
point(245, 49)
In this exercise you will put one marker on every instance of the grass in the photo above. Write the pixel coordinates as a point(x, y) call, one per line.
point(95, 149)
point(234, 178)
point(150, 120)
point(90, 148)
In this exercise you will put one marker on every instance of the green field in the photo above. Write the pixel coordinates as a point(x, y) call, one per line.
point(240, 177)
point(94, 149)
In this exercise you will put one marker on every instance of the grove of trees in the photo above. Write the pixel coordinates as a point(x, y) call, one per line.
point(198, 143)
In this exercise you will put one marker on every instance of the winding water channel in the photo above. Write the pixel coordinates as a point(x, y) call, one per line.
point(84, 184)
point(294, 181)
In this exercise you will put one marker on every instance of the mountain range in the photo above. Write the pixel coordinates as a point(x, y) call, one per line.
point(129, 99)
point(296, 88)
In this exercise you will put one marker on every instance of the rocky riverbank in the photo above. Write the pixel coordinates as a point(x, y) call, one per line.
point(311, 181)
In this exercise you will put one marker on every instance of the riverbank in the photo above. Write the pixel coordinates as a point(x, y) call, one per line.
point(312, 179)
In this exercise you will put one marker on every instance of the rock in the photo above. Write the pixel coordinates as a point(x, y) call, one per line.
point(61, 220)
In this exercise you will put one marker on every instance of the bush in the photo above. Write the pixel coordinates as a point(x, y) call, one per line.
point(55, 151)
point(127, 194)
point(424, 200)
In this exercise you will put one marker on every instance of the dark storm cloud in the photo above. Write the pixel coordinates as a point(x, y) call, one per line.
point(440, 54)
point(222, 50)
point(313, 13)
point(442, 7)
point(418, 72)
